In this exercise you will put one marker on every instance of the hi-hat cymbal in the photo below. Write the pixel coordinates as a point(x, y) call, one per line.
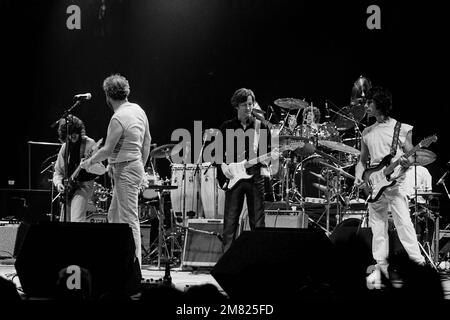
point(339, 146)
point(291, 103)
point(423, 157)
point(163, 151)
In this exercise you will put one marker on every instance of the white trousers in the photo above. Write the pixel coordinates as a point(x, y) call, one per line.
point(79, 202)
point(124, 204)
point(395, 201)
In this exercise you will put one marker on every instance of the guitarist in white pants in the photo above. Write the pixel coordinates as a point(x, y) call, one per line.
point(79, 147)
point(378, 142)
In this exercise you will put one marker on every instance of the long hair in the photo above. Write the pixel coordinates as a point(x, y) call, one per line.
point(382, 99)
point(315, 111)
point(75, 126)
point(116, 87)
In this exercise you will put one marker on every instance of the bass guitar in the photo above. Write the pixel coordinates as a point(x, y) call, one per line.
point(378, 178)
point(72, 183)
point(239, 169)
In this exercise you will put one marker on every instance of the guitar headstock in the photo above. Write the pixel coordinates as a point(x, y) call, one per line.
point(428, 140)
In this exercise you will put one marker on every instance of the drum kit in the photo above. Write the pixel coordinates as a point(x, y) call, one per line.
point(193, 192)
point(325, 155)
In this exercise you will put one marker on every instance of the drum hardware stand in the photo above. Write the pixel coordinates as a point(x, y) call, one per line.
point(162, 238)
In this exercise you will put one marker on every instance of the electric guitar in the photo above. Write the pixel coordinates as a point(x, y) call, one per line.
point(379, 178)
point(239, 169)
point(72, 183)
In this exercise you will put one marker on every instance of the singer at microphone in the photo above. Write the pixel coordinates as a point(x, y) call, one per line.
point(83, 96)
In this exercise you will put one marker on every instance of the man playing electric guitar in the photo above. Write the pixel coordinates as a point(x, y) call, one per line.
point(243, 100)
point(82, 188)
point(382, 138)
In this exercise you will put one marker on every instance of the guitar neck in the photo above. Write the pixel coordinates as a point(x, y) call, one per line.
point(406, 155)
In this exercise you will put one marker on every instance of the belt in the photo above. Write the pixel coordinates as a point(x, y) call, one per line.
point(122, 163)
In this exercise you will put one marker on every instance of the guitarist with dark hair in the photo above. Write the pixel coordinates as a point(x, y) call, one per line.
point(81, 183)
point(243, 101)
point(388, 144)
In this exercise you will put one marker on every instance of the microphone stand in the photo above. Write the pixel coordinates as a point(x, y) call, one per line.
point(197, 168)
point(66, 117)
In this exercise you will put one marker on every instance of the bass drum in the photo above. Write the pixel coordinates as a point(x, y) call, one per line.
point(213, 198)
point(187, 195)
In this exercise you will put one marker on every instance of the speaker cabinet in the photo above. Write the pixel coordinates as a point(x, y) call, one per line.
point(275, 263)
point(107, 251)
point(8, 235)
point(281, 219)
point(202, 245)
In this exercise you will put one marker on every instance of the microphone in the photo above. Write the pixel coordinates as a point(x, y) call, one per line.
point(83, 96)
point(441, 180)
point(327, 111)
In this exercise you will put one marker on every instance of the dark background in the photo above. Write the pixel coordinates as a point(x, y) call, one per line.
point(185, 58)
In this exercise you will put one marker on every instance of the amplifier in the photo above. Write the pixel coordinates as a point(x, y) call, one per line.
point(281, 219)
point(8, 234)
point(202, 243)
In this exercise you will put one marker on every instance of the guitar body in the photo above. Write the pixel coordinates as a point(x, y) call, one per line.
point(72, 186)
point(376, 181)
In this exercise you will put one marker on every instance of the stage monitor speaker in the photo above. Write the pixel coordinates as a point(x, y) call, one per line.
point(107, 251)
point(202, 245)
point(275, 263)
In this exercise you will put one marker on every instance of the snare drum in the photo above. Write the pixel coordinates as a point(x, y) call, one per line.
point(188, 191)
point(213, 198)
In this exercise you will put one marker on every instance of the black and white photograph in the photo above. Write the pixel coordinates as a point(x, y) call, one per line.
point(225, 158)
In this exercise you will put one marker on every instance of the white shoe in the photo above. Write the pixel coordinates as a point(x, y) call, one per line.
point(373, 280)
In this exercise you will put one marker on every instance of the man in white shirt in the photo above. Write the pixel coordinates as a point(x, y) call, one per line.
point(127, 148)
point(376, 143)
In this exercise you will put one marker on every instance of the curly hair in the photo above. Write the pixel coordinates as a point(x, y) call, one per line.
point(240, 96)
point(316, 112)
point(116, 87)
point(75, 126)
point(382, 99)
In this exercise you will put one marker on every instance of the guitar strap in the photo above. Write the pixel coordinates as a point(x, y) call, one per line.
point(395, 139)
point(82, 147)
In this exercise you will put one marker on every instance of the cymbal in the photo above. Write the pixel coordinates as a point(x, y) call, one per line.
point(162, 151)
point(423, 157)
point(339, 170)
point(428, 193)
point(339, 146)
point(356, 112)
point(360, 89)
point(291, 103)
